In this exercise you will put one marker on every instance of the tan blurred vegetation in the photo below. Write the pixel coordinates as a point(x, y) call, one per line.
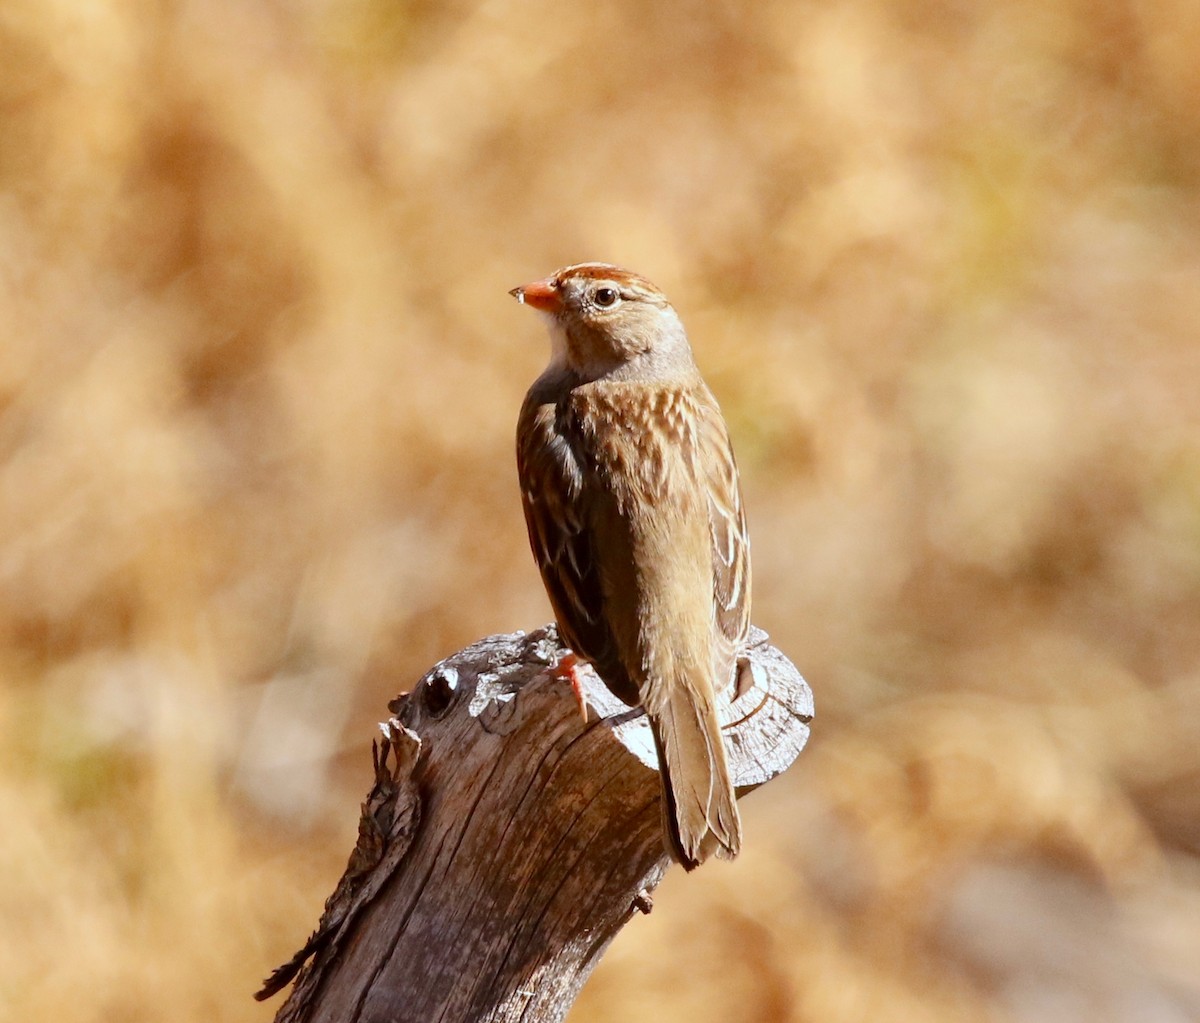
point(258, 374)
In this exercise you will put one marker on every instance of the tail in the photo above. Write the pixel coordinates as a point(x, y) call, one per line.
point(700, 808)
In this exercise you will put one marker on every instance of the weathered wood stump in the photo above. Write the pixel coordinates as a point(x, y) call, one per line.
point(505, 841)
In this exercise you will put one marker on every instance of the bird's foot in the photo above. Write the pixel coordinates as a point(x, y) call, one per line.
point(567, 669)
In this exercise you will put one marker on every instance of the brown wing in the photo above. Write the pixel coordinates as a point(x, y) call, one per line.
point(730, 538)
point(552, 483)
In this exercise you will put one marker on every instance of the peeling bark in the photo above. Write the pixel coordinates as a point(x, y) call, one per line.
point(505, 842)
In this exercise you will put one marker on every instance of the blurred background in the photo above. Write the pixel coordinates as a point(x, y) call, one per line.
point(940, 262)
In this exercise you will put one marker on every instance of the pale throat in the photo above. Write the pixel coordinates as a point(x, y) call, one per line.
point(558, 341)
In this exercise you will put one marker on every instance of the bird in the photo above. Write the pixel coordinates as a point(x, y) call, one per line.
point(634, 510)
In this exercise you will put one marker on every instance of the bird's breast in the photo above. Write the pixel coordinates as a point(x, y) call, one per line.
point(638, 438)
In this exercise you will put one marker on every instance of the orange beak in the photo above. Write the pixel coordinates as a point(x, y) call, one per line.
point(541, 295)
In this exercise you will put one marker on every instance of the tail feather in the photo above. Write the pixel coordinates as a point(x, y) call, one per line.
point(699, 802)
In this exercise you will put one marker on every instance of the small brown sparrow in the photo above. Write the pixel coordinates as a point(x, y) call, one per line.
point(635, 517)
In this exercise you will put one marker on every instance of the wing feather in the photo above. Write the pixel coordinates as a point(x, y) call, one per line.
point(552, 481)
point(730, 537)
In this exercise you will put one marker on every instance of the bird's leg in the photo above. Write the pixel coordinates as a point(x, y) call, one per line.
point(567, 669)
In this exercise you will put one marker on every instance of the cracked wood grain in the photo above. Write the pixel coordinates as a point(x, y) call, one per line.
point(505, 842)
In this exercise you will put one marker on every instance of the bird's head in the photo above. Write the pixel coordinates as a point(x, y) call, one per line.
point(608, 322)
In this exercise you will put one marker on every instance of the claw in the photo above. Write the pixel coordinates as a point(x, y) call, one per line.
point(567, 669)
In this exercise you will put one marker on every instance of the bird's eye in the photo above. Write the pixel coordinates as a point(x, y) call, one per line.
point(605, 297)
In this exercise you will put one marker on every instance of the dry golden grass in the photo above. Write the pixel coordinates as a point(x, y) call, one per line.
point(258, 375)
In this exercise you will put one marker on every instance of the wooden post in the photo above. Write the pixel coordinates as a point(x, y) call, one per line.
point(505, 841)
